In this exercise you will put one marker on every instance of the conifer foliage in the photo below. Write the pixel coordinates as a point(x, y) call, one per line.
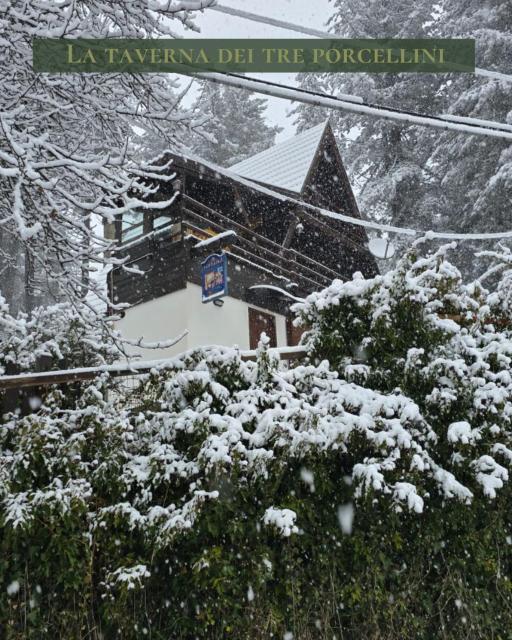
point(235, 126)
point(415, 176)
point(65, 160)
point(362, 493)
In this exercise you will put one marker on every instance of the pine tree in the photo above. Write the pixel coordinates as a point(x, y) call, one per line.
point(236, 128)
point(414, 176)
point(388, 161)
point(476, 172)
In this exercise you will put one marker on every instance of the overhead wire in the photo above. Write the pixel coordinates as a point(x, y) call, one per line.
point(356, 104)
point(358, 222)
point(289, 26)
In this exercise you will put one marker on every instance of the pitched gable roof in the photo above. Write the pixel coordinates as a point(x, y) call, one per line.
point(285, 165)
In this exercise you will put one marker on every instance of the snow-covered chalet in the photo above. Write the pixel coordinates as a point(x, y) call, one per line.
point(264, 214)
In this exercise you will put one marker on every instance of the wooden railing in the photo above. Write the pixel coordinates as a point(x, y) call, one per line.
point(69, 376)
point(299, 259)
point(251, 246)
point(250, 252)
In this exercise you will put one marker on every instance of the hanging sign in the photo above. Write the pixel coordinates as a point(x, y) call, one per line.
point(214, 277)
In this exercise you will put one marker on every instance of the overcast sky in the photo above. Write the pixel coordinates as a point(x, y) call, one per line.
point(311, 13)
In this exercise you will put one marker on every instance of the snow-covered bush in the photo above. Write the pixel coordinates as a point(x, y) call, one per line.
point(419, 331)
point(61, 336)
point(366, 498)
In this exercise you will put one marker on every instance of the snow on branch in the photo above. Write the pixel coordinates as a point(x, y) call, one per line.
point(158, 344)
point(67, 160)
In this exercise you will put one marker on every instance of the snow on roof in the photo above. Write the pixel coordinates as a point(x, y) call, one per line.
point(285, 165)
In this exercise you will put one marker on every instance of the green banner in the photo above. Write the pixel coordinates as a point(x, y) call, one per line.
point(253, 56)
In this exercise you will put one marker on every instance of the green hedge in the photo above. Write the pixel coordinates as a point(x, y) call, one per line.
point(156, 521)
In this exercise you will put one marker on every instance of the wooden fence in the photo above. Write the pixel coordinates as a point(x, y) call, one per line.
point(69, 376)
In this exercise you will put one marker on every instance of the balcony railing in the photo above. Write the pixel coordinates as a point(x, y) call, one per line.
point(197, 219)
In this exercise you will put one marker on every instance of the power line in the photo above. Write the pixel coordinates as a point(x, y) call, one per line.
point(495, 75)
point(358, 222)
point(254, 17)
point(355, 104)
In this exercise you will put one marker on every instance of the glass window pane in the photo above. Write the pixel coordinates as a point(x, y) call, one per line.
point(132, 225)
point(161, 221)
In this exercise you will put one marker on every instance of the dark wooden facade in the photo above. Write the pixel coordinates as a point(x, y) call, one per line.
point(279, 240)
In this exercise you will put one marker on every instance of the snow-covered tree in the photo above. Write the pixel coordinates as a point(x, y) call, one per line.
point(474, 172)
point(374, 475)
point(387, 161)
point(150, 139)
point(60, 335)
point(12, 268)
point(415, 176)
point(236, 127)
point(65, 161)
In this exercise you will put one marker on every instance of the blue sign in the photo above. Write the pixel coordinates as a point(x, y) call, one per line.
point(214, 277)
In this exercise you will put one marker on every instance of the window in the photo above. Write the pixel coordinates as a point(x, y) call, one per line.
point(166, 224)
point(161, 221)
point(138, 223)
point(260, 322)
point(133, 226)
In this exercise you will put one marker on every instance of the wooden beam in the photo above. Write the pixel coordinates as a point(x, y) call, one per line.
point(49, 378)
point(118, 223)
point(147, 224)
point(273, 246)
point(239, 203)
point(290, 233)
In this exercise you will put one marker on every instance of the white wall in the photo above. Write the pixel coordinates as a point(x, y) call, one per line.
point(207, 324)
